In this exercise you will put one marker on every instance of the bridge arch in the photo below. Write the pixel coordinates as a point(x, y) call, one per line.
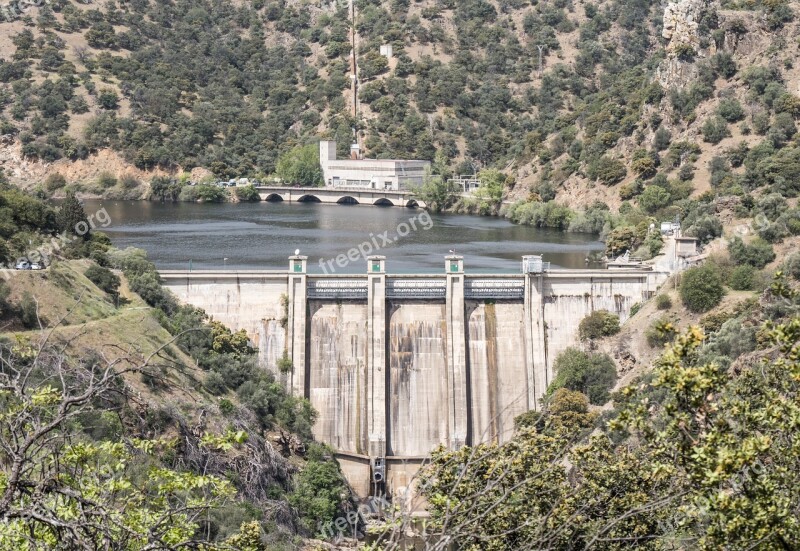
point(274, 198)
point(383, 202)
point(347, 200)
point(412, 204)
point(309, 199)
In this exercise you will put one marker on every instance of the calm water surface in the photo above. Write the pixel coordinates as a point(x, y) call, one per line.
point(261, 236)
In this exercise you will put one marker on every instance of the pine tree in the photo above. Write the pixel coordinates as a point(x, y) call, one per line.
point(71, 217)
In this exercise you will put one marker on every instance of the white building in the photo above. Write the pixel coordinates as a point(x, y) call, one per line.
point(357, 173)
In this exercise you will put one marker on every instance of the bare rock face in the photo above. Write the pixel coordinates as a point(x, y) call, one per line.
point(681, 23)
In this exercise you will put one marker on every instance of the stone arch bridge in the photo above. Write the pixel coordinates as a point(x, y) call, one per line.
point(377, 197)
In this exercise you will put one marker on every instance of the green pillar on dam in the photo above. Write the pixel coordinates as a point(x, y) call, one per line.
point(296, 338)
point(376, 356)
point(458, 412)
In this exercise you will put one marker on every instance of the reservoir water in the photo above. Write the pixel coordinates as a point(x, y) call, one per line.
point(261, 236)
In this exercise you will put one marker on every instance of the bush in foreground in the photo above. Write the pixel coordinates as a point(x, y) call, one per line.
point(701, 288)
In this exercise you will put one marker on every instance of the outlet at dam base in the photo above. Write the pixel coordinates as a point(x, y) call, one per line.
point(397, 365)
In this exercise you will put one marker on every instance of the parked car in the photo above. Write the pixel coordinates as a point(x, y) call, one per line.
point(23, 265)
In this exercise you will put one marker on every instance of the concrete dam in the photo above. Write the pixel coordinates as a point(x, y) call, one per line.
point(399, 364)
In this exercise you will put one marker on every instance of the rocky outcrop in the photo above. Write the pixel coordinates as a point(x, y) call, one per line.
point(681, 30)
point(681, 23)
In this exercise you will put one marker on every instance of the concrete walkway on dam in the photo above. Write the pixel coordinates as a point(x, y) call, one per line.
point(397, 364)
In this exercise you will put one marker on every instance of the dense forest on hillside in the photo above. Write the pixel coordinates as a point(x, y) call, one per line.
point(622, 128)
point(212, 82)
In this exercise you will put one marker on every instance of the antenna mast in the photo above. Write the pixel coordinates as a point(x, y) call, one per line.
point(354, 60)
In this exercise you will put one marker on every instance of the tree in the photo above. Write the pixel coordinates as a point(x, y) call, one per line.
point(437, 193)
point(598, 324)
point(58, 490)
point(247, 194)
point(104, 278)
point(715, 129)
point(592, 374)
point(654, 198)
point(71, 217)
point(607, 170)
point(622, 239)
point(757, 253)
point(730, 110)
point(701, 288)
point(693, 457)
point(108, 99)
point(164, 189)
point(300, 166)
point(321, 490)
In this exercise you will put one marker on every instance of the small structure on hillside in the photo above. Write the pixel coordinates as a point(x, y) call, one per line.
point(359, 173)
point(468, 184)
point(626, 262)
point(686, 247)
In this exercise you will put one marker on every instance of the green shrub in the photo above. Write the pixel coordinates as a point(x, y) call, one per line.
point(730, 110)
point(758, 253)
point(715, 129)
point(701, 288)
point(742, 278)
point(592, 374)
point(29, 312)
point(209, 193)
point(285, 364)
point(599, 324)
point(792, 265)
point(247, 194)
point(660, 332)
point(663, 302)
point(607, 171)
point(104, 278)
point(654, 198)
point(129, 181)
point(55, 182)
point(215, 383)
point(226, 406)
point(106, 180)
point(319, 488)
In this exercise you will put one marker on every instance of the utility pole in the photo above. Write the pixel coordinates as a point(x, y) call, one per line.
point(541, 52)
point(354, 62)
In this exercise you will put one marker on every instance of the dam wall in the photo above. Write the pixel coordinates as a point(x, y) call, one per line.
point(397, 365)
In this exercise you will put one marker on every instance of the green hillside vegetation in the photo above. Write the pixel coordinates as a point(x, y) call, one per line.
point(113, 371)
point(595, 143)
point(697, 453)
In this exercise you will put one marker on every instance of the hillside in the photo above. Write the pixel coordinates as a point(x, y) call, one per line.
point(205, 408)
point(627, 90)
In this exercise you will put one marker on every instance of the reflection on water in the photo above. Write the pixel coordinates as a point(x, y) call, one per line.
point(261, 236)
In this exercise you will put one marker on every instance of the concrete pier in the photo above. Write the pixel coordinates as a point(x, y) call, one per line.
point(399, 364)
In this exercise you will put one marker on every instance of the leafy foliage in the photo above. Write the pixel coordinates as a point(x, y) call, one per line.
point(598, 324)
point(300, 166)
point(701, 288)
point(591, 374)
